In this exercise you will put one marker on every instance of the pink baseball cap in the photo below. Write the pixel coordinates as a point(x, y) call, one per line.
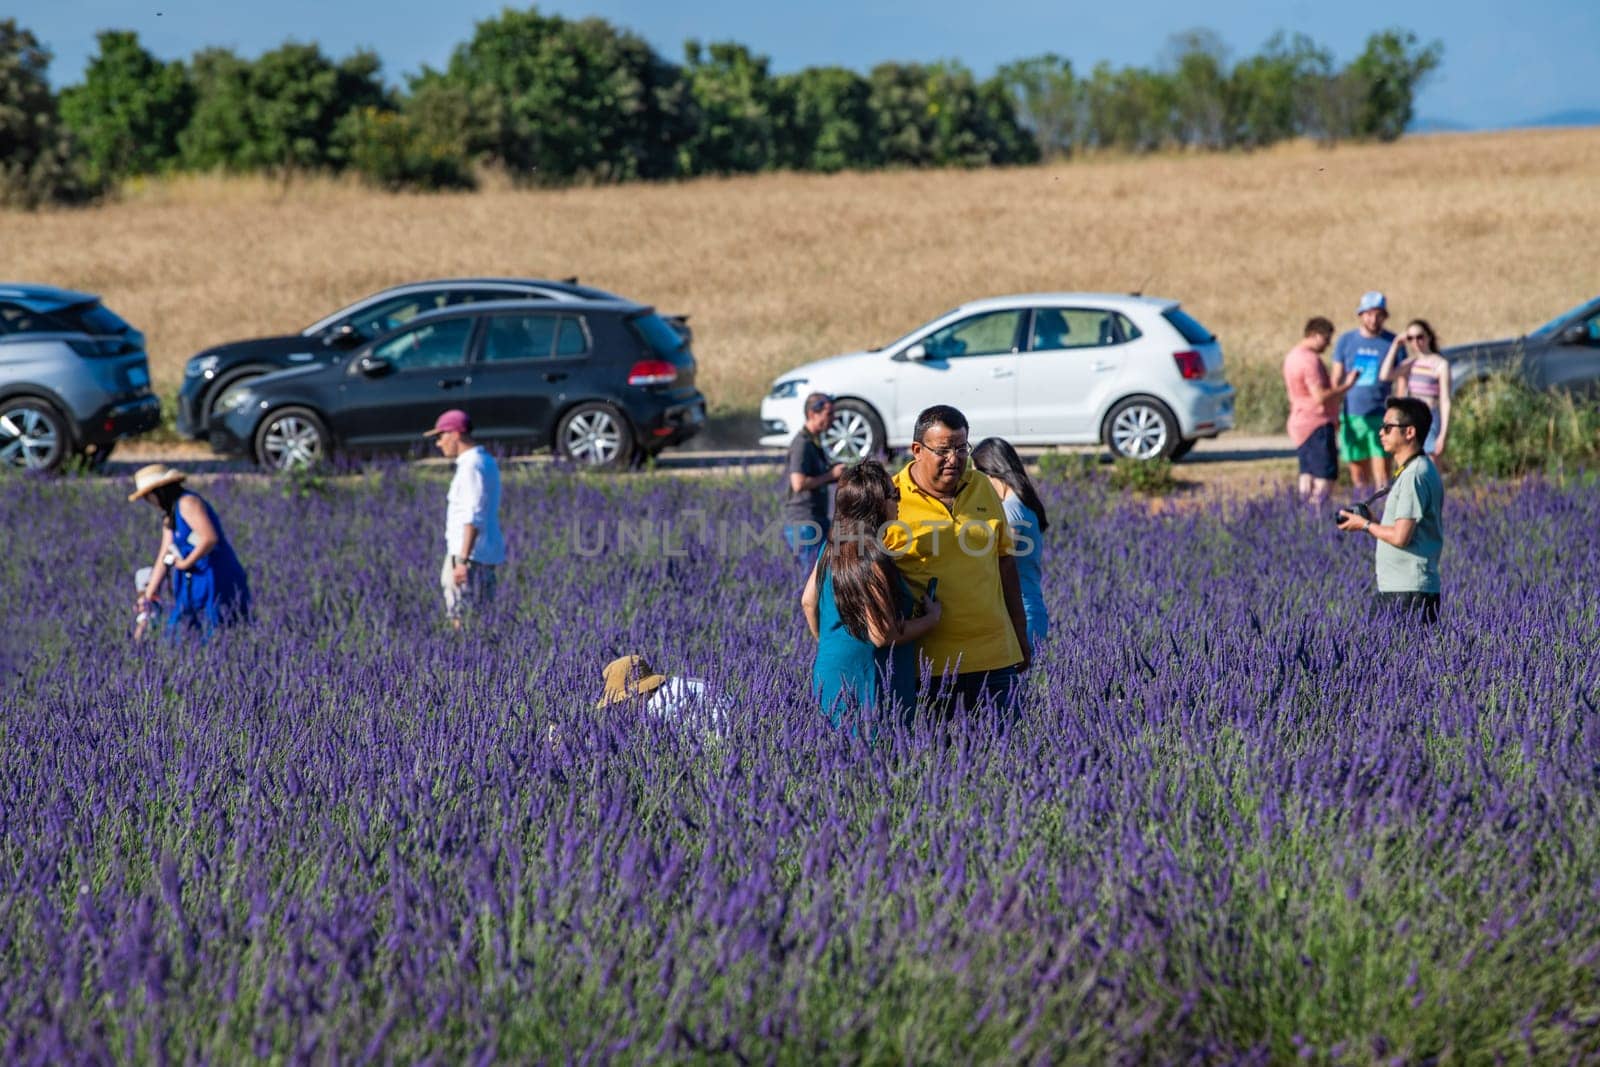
point(453, 421)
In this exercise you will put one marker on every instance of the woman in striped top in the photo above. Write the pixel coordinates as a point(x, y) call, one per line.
point(1424, 374)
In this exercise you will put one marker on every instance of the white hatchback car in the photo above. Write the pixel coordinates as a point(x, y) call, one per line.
point(1135, 372)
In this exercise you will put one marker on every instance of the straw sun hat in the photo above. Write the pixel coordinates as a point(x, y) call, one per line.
point(146, 479)
point(629, 676)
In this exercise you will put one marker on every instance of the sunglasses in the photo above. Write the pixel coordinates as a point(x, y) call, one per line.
point(820, 405)
point(1386, 426)
point(1416, 337)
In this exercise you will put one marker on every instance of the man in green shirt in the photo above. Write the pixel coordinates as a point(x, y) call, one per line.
point(1410, 535)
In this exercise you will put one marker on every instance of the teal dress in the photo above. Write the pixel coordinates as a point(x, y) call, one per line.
point(212, 593)
point(852, 673)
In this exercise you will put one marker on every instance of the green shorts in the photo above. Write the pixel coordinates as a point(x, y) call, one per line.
point(1358, 437)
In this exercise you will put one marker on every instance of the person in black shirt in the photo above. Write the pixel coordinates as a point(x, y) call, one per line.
point(808, 475)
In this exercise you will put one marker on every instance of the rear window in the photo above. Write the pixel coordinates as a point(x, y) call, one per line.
point(1185, 324)
point(94, 319)
point(659, 336)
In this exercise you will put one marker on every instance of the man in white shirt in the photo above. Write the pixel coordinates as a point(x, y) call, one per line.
point(473, 546)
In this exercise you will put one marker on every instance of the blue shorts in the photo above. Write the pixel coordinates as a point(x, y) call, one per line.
point(1318, 455)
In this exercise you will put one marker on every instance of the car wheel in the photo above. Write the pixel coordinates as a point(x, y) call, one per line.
point(595, 435)
point(1184, 448)
point(291, 438)
point(1141, 428)
point(855, 434)
point(33, 436)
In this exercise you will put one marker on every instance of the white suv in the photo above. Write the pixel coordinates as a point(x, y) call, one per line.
point(1037, 369)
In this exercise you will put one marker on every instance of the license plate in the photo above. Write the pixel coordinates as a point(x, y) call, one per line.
point(138, 376)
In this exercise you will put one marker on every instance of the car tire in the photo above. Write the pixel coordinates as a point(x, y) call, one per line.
point(291, 438)
point(33, 435)
point(855, 434)
point(595, 435)
point(1141, 427)
point(1184, 448)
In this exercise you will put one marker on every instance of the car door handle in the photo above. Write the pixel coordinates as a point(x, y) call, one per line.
point(1001, 372)
point(451, 383)
point(555, 375)
point(1104, 365)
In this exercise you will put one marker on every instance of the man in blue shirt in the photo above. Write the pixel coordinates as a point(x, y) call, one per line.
point(1362, 350)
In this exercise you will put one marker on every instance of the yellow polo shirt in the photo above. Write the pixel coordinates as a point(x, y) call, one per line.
point(961, 546)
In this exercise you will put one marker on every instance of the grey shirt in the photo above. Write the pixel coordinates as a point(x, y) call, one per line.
point(808, 505)
point(1417, 493)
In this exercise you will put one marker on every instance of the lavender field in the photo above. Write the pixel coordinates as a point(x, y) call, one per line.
point(1235, 821)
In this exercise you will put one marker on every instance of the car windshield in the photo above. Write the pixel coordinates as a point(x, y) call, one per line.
point(903, 338)
point(1186, 324)
point(663, 340)
point(1582, 311)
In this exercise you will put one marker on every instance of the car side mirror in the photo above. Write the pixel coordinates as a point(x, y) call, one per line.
point(916, 353)
point(1575, 335)
point(344, 336)
point(374, 366)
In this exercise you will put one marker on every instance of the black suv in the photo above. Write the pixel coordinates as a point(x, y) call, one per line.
point(601, 382)
point(211, 373)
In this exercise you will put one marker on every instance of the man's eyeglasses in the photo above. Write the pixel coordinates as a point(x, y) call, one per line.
point(960, 452)
point(1386, 426)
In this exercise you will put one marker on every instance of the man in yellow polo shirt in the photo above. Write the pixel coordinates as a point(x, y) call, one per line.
point(952, 527)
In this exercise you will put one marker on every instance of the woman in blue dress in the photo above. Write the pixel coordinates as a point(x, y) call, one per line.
point(995, 458)
point(209, 588)
point(860, 609)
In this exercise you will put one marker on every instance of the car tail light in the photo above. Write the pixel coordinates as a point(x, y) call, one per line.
point(652, 372)
point(1191, 364)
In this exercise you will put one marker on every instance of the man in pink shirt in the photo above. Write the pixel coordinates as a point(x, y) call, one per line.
point(1314, 409)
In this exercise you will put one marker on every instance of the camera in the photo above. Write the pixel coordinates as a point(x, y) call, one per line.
point(1355, 509)
point(170, 558)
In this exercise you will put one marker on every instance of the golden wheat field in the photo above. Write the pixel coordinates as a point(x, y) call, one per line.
point(1485, 234)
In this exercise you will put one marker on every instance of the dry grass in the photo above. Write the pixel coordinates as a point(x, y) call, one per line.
point(1483, 234)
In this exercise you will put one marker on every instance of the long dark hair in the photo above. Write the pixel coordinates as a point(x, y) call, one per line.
point(863, 586)
point(995, 457)
point(1433, 338)
point(167, 497)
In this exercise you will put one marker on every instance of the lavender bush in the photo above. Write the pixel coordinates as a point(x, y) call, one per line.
point(1235, 822)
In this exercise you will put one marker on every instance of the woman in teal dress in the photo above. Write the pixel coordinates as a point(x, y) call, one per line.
point(860, 609)
point(209, 587)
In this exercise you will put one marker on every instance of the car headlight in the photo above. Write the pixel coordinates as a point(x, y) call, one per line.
point(232, 400)
point(206, 365)
point(785, 389)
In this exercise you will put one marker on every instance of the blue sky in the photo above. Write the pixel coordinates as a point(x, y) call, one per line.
point(1503, 62)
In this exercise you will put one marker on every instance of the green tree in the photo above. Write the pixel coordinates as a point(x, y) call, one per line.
point(1203, 115)
point(1129, 108)
point(938, 115)
point(279, 112)
point(129, 110)
point(38, 161)
point(1048, 101)
point(733, 98)
point(221, 130)
point(825, 121)
point(1277, 93)
point(574, 99)
point(298, 97)
point(1386, 76)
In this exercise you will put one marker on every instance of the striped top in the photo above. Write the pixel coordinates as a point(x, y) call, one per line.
point(1424, 379)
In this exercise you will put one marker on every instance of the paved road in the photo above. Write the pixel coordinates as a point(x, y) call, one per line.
point(1229, 448)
